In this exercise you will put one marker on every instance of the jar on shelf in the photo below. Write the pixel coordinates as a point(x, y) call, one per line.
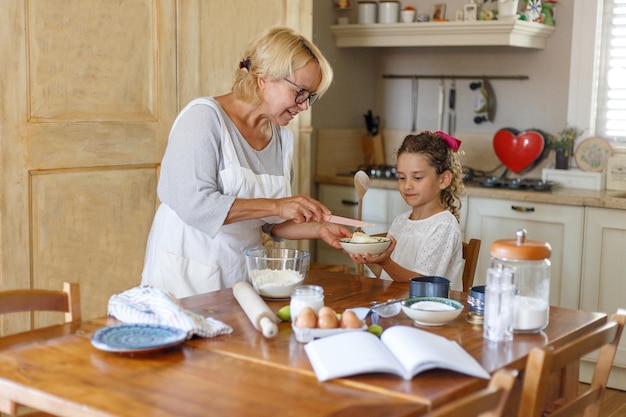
point(367, 12)
point(529, 263)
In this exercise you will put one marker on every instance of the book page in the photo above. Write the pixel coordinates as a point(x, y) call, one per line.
point(350, 353)
point(418, 350)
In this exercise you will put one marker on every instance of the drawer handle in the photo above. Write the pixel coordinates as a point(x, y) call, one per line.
point(523, 209)
point(349, 203)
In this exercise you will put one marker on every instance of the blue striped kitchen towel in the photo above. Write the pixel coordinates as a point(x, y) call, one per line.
point(149, 305)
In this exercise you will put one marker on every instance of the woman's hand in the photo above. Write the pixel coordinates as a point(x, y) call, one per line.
point(301, 209)
point(331, 233)
point(366, 258)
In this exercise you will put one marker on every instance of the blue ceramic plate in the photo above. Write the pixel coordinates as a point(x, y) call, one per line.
point(127, 338)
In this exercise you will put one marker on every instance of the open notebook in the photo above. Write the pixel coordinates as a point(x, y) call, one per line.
point(401, 350)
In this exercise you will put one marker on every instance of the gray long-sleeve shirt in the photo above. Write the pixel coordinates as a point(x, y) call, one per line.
point(189, 180)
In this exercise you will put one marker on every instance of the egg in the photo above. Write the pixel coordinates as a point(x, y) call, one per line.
point(327, 318)
point(349, 320)
point(306, 318)
point(325, 310)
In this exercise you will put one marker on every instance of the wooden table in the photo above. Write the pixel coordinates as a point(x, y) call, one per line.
point(242, 374)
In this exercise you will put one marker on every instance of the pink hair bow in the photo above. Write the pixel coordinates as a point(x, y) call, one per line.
point(453, 143)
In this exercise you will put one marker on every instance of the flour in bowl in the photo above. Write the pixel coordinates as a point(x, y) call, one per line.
point(274, 283)
point(431, 306)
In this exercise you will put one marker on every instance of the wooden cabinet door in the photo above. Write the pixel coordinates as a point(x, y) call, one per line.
point(88, 96)
point(604, 276)
point(88, 92)
point(491, 219)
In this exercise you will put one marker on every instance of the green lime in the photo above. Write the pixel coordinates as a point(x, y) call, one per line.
point(375, 329)
point(284, 313)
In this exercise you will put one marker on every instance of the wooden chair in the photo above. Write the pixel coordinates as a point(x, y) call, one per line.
point(14, 301)
point(542, 363)
point(488, 402)
point(471, 249)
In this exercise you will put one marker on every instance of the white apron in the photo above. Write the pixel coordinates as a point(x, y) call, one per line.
point(186, 261)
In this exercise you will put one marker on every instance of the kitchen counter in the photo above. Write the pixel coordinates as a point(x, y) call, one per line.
point(559, 195)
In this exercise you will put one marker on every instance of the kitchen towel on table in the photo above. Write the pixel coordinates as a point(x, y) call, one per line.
point(149, 305)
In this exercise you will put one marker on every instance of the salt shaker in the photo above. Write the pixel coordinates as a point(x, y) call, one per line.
point(306, 296)
point(530, 264)
point(499, 293)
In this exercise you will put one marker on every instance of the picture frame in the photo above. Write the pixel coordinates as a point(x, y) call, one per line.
point(439, 12)
point(470, 12)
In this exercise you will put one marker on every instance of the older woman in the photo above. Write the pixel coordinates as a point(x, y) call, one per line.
point(227, 171)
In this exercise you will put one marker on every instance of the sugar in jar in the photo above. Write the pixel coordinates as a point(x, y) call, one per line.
point(530, 264)
point(306, 296)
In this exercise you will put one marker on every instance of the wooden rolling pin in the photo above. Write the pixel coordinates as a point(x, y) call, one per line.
point(262, 318)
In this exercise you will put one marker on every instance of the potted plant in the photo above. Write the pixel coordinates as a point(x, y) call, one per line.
point(563, 144)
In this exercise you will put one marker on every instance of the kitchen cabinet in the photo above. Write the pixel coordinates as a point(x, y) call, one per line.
point(515, 33)
point(491, 219)
point(604, 278)
point(380, 206)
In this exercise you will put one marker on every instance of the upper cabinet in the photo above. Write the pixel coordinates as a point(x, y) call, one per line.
point(516, 33)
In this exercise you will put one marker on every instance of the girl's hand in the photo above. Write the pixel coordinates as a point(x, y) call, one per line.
point(301, 209)
point(366, 258)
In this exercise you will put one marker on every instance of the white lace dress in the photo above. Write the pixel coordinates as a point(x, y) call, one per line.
point(432, 246)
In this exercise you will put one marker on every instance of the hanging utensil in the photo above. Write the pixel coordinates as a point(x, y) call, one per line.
point(485, 101)
point(491, 100)
point(414, 105)
point(442, 103)
point(361, 185)
point(452, 109)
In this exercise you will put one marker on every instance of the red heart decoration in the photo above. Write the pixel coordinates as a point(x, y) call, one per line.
point(518, 150)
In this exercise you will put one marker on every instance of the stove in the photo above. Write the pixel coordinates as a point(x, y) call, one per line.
point(529, 184)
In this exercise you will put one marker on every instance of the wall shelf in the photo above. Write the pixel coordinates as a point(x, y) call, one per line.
point(516, 33)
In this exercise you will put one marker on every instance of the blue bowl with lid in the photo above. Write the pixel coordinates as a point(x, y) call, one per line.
point(429, 287)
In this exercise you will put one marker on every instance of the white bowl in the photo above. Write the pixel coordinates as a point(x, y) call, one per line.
point(432, 311)
point(274, 273)
point(373, 248)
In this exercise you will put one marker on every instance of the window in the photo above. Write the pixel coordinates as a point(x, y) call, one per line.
point(611, 69)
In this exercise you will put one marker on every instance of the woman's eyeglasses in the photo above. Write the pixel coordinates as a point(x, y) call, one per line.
point(303, 94)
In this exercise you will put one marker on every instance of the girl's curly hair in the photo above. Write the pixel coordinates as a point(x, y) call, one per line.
point(443, 158)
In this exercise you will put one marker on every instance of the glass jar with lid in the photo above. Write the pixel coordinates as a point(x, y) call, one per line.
point(306, 296)
point(529, 261)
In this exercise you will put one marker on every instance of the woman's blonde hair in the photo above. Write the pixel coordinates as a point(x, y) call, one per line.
point(276, 54)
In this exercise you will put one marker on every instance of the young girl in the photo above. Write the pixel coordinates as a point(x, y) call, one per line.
point(426, 240)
